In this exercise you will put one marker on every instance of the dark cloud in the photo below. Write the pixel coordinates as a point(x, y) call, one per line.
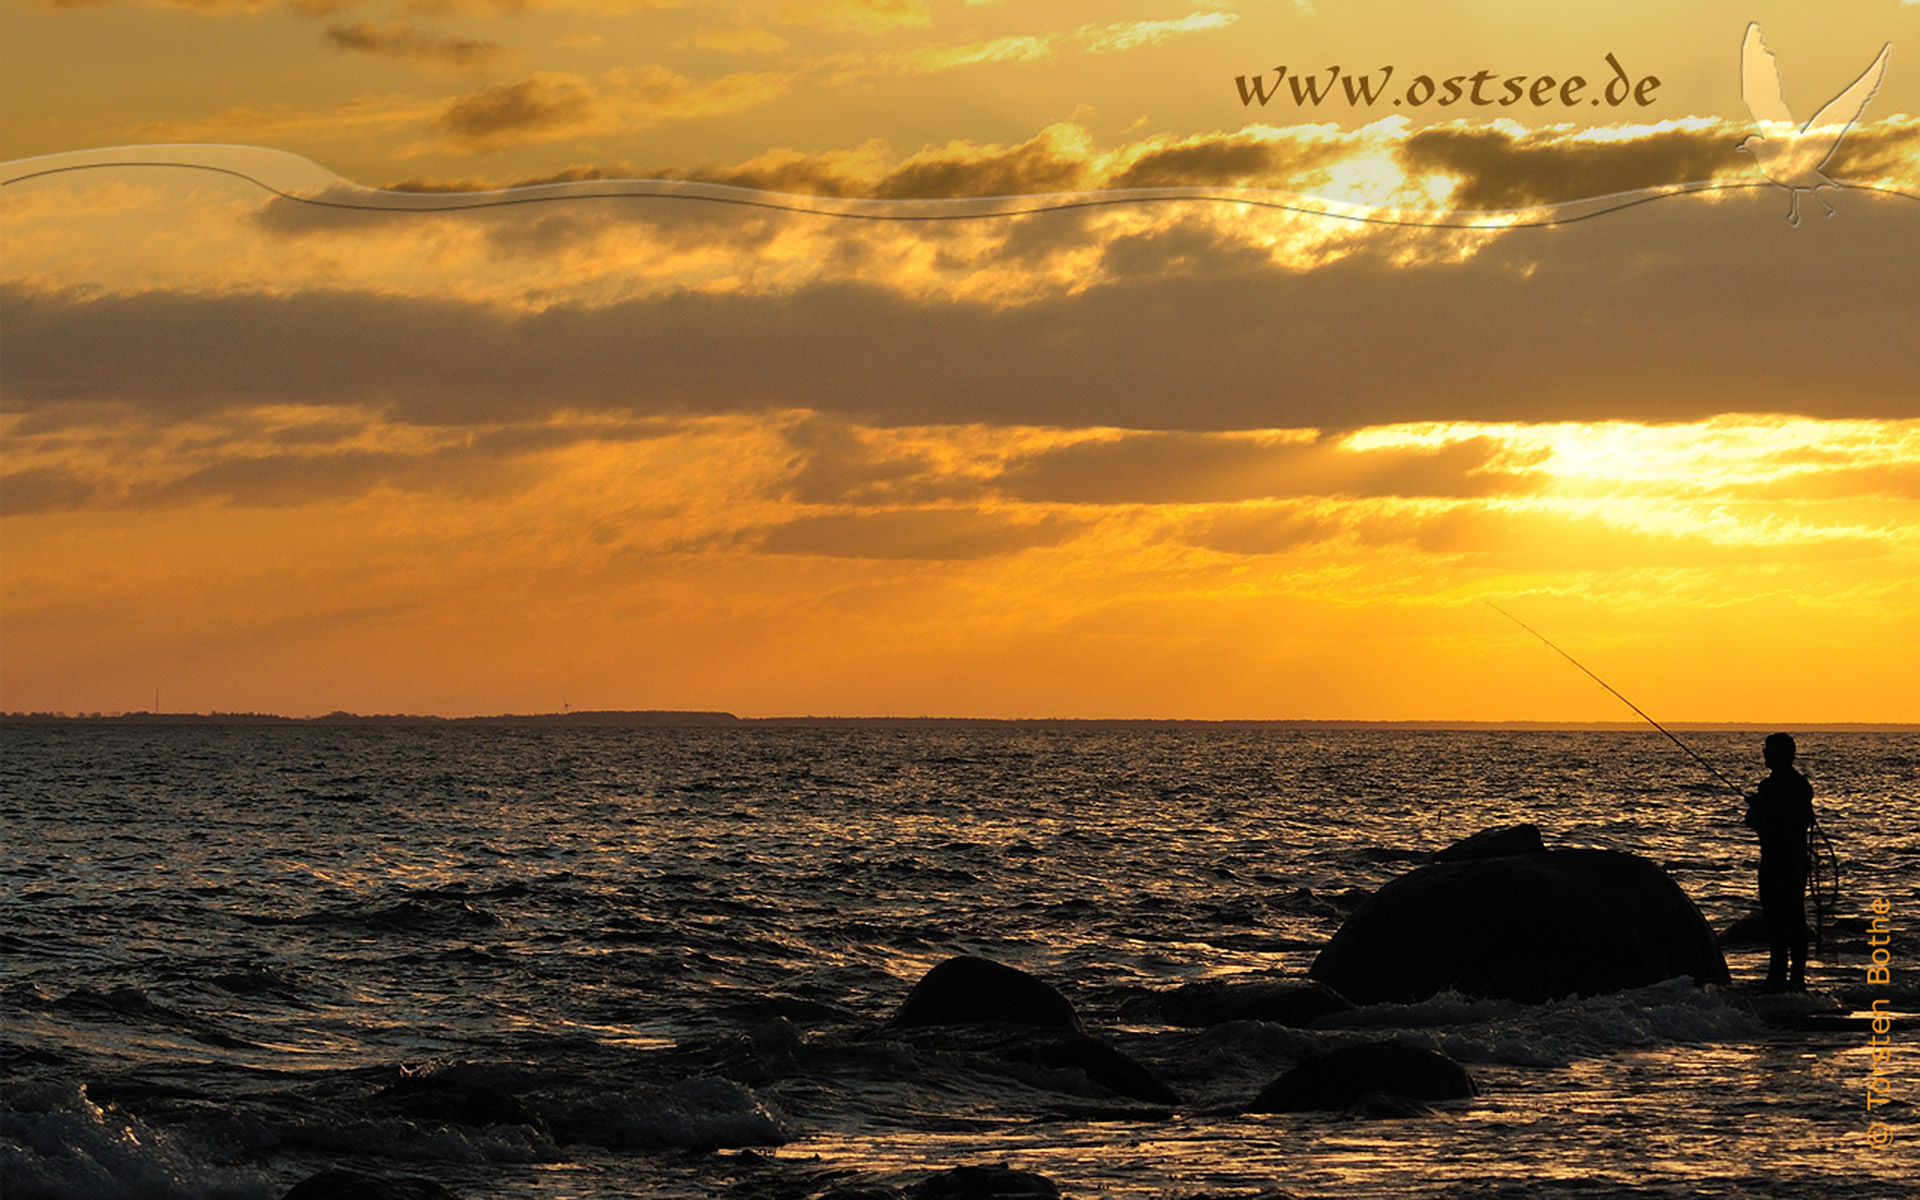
point(503, 114)
point(531, 228)
point(834, 465)
point(1236, 160)
point(1501, 170)
point(44, 489)
point(1035, 166)
point(929, 533)
point(1265, 530)
point(403, 40)
point(1871, 151)
point(273, 480)
point(1677, 310)
point(1188, 468)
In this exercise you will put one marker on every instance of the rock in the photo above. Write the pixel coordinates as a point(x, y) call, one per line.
point(1386, 1075)
point(1386, 1106)
point(341, 1184)
point(964, 991)
point(985, 1183)
point(1494, 843)
point(1112, 1069)
point(1215, 1002)
point(1532, 927)
point(1749, 930)
point(1004, 1013)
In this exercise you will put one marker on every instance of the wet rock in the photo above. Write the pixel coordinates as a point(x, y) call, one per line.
point(341, 1184)
point(1494, 843)
point(1385, 1106)
point(967, 990)
point(1111, 1069)
point(1390, 1077)
point(1749, 930)
point(985, 1183)
point(971, 1005)
point(1049, 1059)
point(460, 1095)
point(1215, 1002)
point(1531, 927)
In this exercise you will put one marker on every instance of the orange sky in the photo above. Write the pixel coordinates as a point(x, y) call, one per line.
point(1175, 457)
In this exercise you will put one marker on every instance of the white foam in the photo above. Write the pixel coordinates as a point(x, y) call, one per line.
point(703, 1111)
point(57, 1144)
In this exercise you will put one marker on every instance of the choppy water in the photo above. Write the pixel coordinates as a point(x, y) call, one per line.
point(656, 962)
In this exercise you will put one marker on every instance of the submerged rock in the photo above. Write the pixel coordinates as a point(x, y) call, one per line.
point(973, 1005)
point(1111, 1069)
point(1747, 930)
point(967, 990)
point(986, 1183)
point(341, 1184)
point(1494, 843)
point(1372, 1079)
point(1215, 1002)
point(1531, 927)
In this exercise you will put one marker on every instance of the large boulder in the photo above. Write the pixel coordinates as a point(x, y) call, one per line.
point(1494, 843)
point(1369, 1071)
point(968, 991)
point(1530, 927)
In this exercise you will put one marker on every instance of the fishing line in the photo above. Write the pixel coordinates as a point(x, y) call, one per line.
point(1819, 847)
point(1733, 787)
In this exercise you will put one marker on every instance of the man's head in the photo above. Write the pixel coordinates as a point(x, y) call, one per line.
point(1778, 750)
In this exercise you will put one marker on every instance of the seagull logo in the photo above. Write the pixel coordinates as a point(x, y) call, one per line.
point(1789, 154)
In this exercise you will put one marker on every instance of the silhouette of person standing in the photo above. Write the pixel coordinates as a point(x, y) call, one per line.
point(1781, 811)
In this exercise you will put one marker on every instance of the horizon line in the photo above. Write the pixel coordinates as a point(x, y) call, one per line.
point(713, 718)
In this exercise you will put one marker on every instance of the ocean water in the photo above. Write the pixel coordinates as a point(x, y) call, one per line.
point(658, 962)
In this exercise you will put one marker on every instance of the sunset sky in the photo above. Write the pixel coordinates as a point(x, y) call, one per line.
point(1174, 456)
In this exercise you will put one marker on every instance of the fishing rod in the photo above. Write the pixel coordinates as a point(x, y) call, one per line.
point(1630, 704)
point(1818, 844)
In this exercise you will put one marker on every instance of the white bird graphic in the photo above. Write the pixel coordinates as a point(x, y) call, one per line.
point(1788, 154)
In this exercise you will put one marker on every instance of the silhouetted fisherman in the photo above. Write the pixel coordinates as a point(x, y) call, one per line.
point(1781, 811)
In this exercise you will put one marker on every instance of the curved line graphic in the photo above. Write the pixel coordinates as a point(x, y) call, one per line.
point(336, 192)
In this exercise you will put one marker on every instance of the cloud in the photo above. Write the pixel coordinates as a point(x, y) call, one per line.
point(845, 16)
point(550, 106)
point(1559, 540)
point(1887, 150)
point(405, 41)
point(1130, 35)
point(934, 533)
point(245, 124)
point(1267, 529)
point(1501, 167)
point(1191, 468)
point(745, 39)
point(1190, 324)
point(542, 106)
point(933, 58)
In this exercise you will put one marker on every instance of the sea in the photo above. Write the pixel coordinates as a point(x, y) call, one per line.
point(660, 962)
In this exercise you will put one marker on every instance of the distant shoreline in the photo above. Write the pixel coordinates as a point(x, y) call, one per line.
point(676, 719)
